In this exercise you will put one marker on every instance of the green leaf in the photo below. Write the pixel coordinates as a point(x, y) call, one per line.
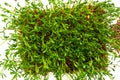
point(7, 4)
point(3, 75)
point(36, 69)
point(18, 4)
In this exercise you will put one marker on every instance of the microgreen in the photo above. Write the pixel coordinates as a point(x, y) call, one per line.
point(62, 39)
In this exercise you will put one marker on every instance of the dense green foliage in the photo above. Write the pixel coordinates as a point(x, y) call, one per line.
point(62, 39)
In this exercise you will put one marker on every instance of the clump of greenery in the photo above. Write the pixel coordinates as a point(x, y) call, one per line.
point(62, 39)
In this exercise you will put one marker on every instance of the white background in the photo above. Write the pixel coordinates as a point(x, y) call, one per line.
point(4, 45)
